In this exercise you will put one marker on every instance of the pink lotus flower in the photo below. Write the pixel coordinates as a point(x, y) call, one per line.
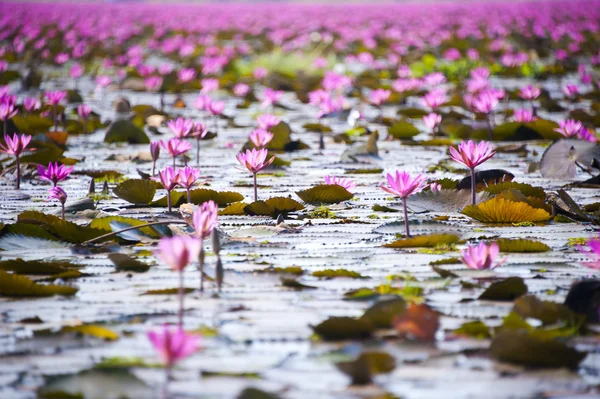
point(403, 185)
point(173, 345)
point(186, 75)
point(473, 54)
point(254, 160)
point(179, 251)
point(591, 249)
point(180, 127)
point(271, 97)
point(209, 85)
point(260, 137)
point(435, 187)
point(485, 101)
point(379, 96)
point(481, 257)
point(530, 92)
point(586, 135)
point(84, 111)
point(348, 184)
point(569, 127)
point(76, 71)
point(30, 104)
point(216, 107)
point(472, 155)
point(55, 173)
point(55, 97)
point(154, 153)
point(524, 115)
point(241, 89)
point(60, 195)
point(202, 102)
point(267, 121)
point(153, 83)
point(187, 178)
point(452, 54)
point(62, 58)
point(570, 91)
point(434, 98)
point(7, 111)
point(14, 146)
point(169, 178)
point(432, 121)
point(260, 73)
point(103, 81)
point(175, 147)
point(205, 219)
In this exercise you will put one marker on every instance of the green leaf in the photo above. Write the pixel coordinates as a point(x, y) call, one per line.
point(92, 331)
point(520, 347)
point(124, 131)
point(36, 267)
point(20, 286)
point(125, 262)
point(521, 245)
point(343, 328)
point(428, 241)
point(526, 189)
point(506, 290)
point(202, 195)
point(235, 209)
point(295, 284)
point(332, 273)
point(273, 207)
point(28, 230)
point(32, 123)
point(403, 130)
point(382, 313)
point(65, 230)
point(44, 155)
point(474, 329)
point(168, 291)
point(366, 365)
point(177, 197)
point(530, 307)
point(325, 194)
point(136, 191)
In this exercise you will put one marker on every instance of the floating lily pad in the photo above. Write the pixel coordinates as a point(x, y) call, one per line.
point(295, 284)
point(177, 197)
point(521, 245)
point(343, 328)
point(563, 158)
point(505, 290)
point(136, 191)
point(403, 130)
point(520, 347)
point(331, 273)
point(168, 291)
point(486, 178)
point(125, 262)
point(273, 207)
point(235, 209)
point(498, 210)
point(104, 223)
point(366, 365)
point(92, 331)
point(222, 198)
point(36, 267)
point(474, 329)
point(325, 194)
point(428, 241)
point(124, 131)
point(418, 322)
point(32, 123)
point(65, 230)
point(547, 312)
point(20, 286)
point(584, 298)
point(382, 313)
point(254, 393)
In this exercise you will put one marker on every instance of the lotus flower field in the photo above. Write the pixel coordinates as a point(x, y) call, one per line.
point(288, 200)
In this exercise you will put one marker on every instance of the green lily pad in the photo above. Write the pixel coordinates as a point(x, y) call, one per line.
point(125, 262)
point(333, 273)
point(427, 241)
point(403, 130)
point(549, 313)
point(103, 223)
point(36, 267)
point(20, 286)
point(202, 195)
point(168, 291)
point(65, 230)
point(325, 194)
point(521, 245)
point(474, 329)
point(124, 131)
point(526, 189)
point(505, 290)
point(343, 328)
point(32, 123)
point(136, 191)
point(177, 197)
point(382, 313)
point(235, 209)
point(273, 207)
point(28, 230)
point(366, 365)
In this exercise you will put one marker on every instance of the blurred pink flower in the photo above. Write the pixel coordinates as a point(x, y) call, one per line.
point(173, 345)
point(524, 115)
point(434, 98)
point(271, 97)
point(402, 184)
point(481, 256)
point(591, 249)
point(432, 120)
point(205, 219)
point(348, 184)
point(267, 121)
point(54, 173)
point(180, 127)
point(186, 75)
point(569, 127)
point(178, 251)
point(260, 137)
point(241, 89)
point(529, 92)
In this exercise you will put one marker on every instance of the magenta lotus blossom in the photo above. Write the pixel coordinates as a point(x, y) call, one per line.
point(186, 75)
point(175, 147)
point(180, 127)
point(54, 173)
point(173, 345)
point(267, 121)
point(241, 90)
point(570, 91)
point(204, 221)
point(434, 99)
point(529, 93)
point(402, 185)
point(169, 178)
point(7, 111)
point(103, 81)
point(14, 146)
point(216, 107)
point(569, 127)
point(153, 83)
point(187, 178)
point(202, 102)
point(60, 195)
point(271, 97)
point(30, 104)
point(432, 121)
point(472, 155)
point(485, 101)
point(591, 250)
point(260, 137)
point(348, 184)
point(209, 85)
point(84, 111)
point(524, 115)
point(260, 73)
point(255, 160)
point(379, 96)
point(76, 71)
point(585, 134)
point(54, 98)
point(154, 153)
point(481, 256)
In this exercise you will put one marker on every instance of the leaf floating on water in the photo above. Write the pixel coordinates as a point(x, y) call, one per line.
point(505, 290)
point(419, 322)
point(366, 365)
point(19, 286)
point(486, 178)
point(235, 209)
point(584, 298)
point(126, 263)
point(403, 130)
point(66, 230)
point(499, 210)
point(526, 189)
point(325, 194)
point(125, 131)
point(561, 159)
point(295, 270)
point(520, 347)
point(295, 284)
point(381, 208)
point(35, 267)
point(343, 328)
point(273, 207)
point(333, 273)
point(427, 241)
point(92, 331)
point(202, 195)
point(136, 191)
point(177, 198)
point(104, 223)
point(521, 245)
point(382, 313)
point(13, 242)
point(530, 307)
point(443, 201)
point(474, 329)
point(168, 291)
point(254, 393)
point(444, 273)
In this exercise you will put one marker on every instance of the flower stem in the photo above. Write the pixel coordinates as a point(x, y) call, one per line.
point(321, 141)
point(180, 295)
point(189, 196)
point(201, 265)
point(405, 218)
point(153, 168)
point(54, 117)
point(5, 132)
point(174, 158)
point(18, 173)
point(473, 186)
point(489, 124)
point(255, 189)
point(62, 211)
point(169, 200)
